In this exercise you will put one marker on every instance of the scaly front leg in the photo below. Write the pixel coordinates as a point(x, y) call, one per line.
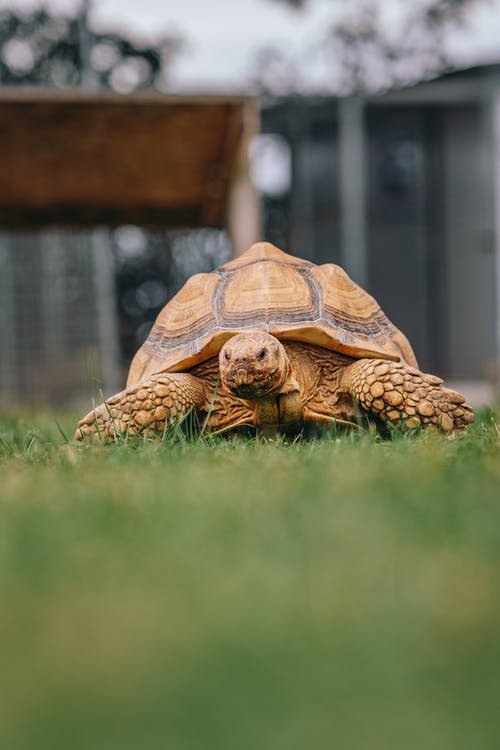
point(144, 408)
point(400, 394)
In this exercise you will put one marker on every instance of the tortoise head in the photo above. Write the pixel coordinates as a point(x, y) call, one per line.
point(253, 365)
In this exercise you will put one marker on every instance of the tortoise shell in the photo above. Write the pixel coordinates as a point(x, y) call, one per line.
point(267, 289)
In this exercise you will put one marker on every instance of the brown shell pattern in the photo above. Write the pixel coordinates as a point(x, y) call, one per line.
point(267, 289)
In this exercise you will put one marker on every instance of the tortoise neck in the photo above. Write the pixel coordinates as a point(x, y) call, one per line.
point(281, 412)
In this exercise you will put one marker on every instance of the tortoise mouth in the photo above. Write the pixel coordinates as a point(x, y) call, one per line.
point(248, 384)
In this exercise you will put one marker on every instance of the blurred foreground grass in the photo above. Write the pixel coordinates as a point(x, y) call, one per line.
point(341, 593)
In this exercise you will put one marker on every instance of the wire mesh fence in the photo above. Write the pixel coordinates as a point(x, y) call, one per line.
point(76, 305)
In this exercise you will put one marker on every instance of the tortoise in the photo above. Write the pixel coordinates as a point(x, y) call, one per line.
point(273, 342)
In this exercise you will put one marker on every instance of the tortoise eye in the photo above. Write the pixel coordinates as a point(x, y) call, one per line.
point(262, 353)
point(227, 355)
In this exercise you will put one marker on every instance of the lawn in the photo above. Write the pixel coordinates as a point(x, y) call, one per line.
point(339, 593)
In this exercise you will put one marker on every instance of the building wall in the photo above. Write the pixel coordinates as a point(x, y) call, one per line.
point(469, 246)
point(426, 209)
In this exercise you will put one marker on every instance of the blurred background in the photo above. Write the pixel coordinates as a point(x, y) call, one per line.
point(141, 142)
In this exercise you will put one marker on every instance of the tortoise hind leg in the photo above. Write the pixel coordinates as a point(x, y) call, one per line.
point(399, 394)
point(146, 407)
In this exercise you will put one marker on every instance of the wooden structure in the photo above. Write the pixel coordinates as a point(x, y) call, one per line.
point(74, 164)
point(86, 159)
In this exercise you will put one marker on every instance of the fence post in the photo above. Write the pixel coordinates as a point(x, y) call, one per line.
point(495, 111)
point(243, 206)
point(353, 189)
point(9, 385)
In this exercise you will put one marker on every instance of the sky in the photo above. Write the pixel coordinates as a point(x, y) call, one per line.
point(222, 36)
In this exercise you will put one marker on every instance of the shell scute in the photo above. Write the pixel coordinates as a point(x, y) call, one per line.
point(265, 292)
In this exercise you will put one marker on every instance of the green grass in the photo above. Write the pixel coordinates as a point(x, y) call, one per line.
point(340, 593)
